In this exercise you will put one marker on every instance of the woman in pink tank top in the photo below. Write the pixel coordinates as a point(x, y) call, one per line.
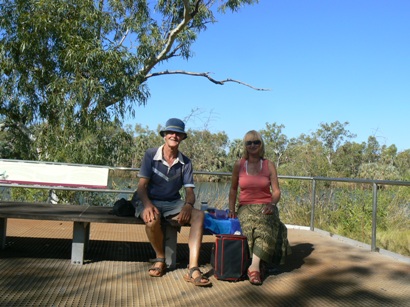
point(259, 192)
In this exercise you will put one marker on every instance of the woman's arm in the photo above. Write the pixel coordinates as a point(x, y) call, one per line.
point(233, 191)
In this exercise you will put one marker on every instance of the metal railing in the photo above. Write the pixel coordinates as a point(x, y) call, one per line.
point(375, 187)
point(374, 183)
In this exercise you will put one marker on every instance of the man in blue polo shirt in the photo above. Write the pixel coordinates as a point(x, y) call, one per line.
point(164, 171)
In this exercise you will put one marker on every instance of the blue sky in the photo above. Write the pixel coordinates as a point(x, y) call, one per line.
point(323, 61)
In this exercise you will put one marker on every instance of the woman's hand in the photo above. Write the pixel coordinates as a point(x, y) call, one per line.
point(268, 209)
point(232, 214)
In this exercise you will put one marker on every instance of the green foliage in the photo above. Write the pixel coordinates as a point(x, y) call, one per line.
point(29, 195)
point(234, 5)
point(295, 202)
point(71, 70)
point(63, 197)
point(352, 214)
point(213, 152)
point(103, 143)
point(347, 159)
point(372, 150)
point(378, 171)
point(207, 150)
point(70, 66)
point(305, 157)
point(275, 142)
point(235, 153)
point(402, 162)
point(144, 139)
point(332, 136)
point(346, 209)
point(394, 208)
point(395, 240)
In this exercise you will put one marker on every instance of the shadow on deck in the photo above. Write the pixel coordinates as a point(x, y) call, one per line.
point(322, 271)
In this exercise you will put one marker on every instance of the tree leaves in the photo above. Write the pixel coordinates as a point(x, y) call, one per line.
point(73, 64)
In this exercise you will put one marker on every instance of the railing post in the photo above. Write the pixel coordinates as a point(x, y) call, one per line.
point(312, 215)
point(374, 217)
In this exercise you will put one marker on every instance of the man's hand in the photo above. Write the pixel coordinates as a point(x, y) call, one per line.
point(150, 213)
point(184, 216)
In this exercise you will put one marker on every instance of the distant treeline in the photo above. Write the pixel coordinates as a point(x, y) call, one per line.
point(330, 151)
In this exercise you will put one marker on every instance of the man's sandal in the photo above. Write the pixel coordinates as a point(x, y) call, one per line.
point(155, 270)
point(255, 278)
point(200, 281)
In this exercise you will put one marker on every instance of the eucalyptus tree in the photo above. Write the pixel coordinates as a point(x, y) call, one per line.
point(207, 150)
point(379, 162)
point(275, 142)
point(236, 150)
point(332, 136)
point(348, 159)
point(402, 162)
point(304, 156)
point(144, 138)
point(77, 64)
point(108, 144)
point(388, 154)
point(372, 151)
point(379, 171)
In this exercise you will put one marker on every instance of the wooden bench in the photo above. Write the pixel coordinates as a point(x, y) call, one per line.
point(44, 175)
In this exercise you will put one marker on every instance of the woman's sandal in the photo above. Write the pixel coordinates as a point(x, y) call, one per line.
point(198, 281)
point(255, 278)
point(157, 271)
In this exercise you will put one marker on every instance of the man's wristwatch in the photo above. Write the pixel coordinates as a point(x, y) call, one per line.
point(189, 204)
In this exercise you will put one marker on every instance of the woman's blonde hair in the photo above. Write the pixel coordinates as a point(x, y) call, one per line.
point(253, 135)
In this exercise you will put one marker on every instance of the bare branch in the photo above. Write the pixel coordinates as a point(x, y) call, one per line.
point(188, 16)
point(124, 37)
point(202, 74)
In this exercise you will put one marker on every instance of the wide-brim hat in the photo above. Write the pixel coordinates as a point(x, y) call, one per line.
point(174, 124)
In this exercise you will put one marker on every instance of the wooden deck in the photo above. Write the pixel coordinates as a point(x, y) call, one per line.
point(322, 271)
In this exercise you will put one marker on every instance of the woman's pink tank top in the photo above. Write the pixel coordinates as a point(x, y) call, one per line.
point(254, 189)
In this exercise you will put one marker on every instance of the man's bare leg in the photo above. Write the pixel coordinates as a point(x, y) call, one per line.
point(156, 238)
point(195, 241)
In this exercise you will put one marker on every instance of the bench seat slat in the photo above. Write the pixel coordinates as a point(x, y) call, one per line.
point(82, 217)
point(58, 212)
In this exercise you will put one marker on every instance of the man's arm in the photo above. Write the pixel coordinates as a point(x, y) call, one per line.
point(185, 215)
point(150, 211)
point(189, 196)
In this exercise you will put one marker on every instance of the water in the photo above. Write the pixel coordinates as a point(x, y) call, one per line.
point(216, 194)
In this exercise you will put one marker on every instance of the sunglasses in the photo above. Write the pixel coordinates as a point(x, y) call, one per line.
point(249, 143)
point(174, 132)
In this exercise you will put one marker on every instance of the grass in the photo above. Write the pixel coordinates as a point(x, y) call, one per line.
point(343, 209)
point(396, 240)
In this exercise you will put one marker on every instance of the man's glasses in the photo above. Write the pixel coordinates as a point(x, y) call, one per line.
point(249, 143)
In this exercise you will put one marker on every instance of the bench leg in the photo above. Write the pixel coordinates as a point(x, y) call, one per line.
point(170, 242)
point(3, 231)
point(81, 236)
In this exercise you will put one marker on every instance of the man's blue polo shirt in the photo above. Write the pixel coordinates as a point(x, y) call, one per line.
point(165, 180)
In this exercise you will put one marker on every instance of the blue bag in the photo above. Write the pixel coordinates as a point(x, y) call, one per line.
point(223, 226)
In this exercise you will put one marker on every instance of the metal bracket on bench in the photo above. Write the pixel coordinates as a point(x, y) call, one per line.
point(3, 230)
point(170, 244)
point(81, 236)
